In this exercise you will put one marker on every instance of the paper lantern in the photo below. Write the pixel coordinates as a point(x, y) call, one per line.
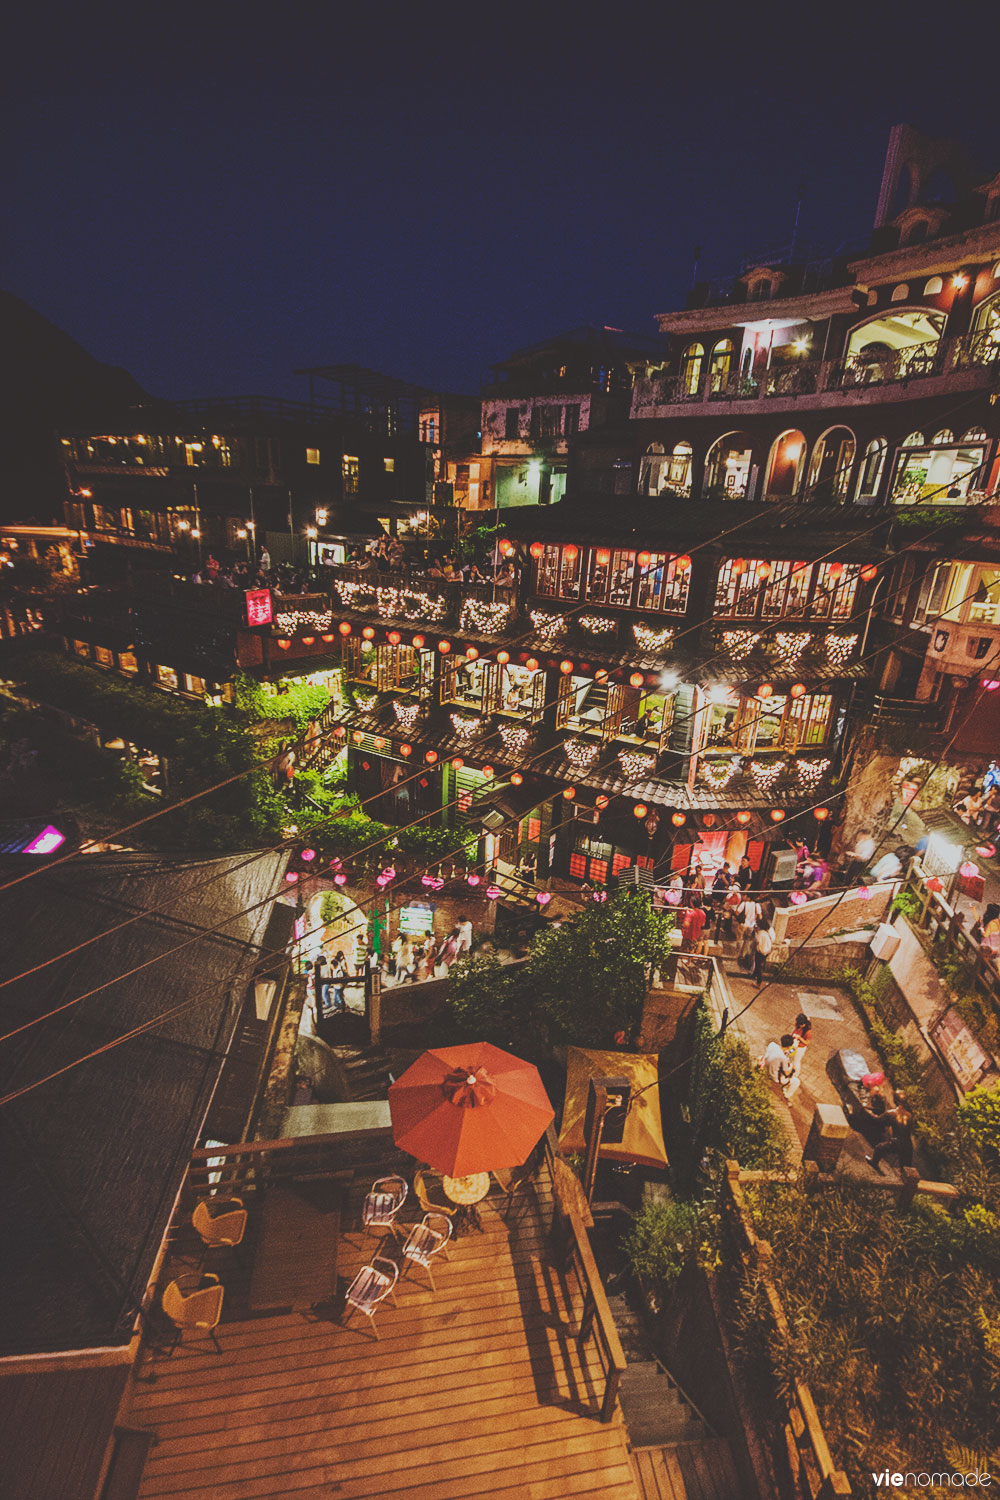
point(340, 879)
point(569, 792)
point(644, 559)
point(682, 563)
point(797, 689)
point(283, 645)
point(766, 690)
point(369, 632)
point(488, 772)
point(934, 884)
point(291, 876)
point(678, 819)
point(602, 557)
point(743, 817)
point(836, 570)
point(763, 570)
point(344, 627)
point(989, 683)
point(493, 893)
point(599, 896)
point(308, 855)
point(640, 810)
point(457, 762)
point(532, 664)
point(379, 743)
point(986, 851)
point(571, 553)
point(636, 680)
point(601, 675)
point(471, 654)
point(516, 779)
point(405, 750)
point(709, 820)
point(601, 801)
point(503, 657)
point(394, 637)
point(868, 572)
point(777, 814)
point(822, 813)
point(308, 640)
point(673, 897)
point(565, 667)
point(738, 566)
point(444, 647)
point(357, 737)
point(506, 548)
point(864, 894)
point(472, 880)
point(329, 637)
point(798, 898)
point(543, 898)
point(968, 870)
point(339, 732)
point(536, 549)
point(418, 642)
point(430, 757)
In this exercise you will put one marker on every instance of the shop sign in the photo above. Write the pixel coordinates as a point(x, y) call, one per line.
point(259, 608)
point(417, 919)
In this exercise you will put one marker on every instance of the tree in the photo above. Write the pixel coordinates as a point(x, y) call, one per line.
point(488, 1000)
point(979, 1112)
point(731, 1109)
point(588, 978)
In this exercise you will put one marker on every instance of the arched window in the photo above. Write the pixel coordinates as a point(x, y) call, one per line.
point(872, 466)
point(895, 342)
point(975, 435)
point(987, 315)
point(720, 365)
point(830, 468)
point(691, 363)
point(679, 469)
point(900, 293)
point(651, 470)
point(915, 440)
point(785, 466)
point(934, 286)
point(727, 467)
point(944, 436)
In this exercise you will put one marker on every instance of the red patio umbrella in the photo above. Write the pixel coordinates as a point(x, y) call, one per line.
point(469, 1109)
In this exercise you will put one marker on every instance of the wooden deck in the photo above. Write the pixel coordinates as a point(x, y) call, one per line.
point(688, 1471)
point(479, 1389)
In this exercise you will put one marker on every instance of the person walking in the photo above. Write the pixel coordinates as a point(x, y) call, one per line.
point(748, 915)
point(265, 560)
point(898, 1140)
point(464, 930)
point(693, 925)
point(763, 942)
point(338, 977)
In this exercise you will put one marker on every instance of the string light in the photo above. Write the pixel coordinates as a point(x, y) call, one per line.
point(365, 702)
point(483, 616)
point(718, 773)
point(597, 624)
point(515, 738)
point(635, 764)
point(549, 627)
point(649, 639)
point(466, 725)
point(580, 753)
point(839, 649)
point(355, 595)
point(740, 643)
point(811, 772)
point(766, 773)
point(289, 621)
point(791, 644)
point(406, 714)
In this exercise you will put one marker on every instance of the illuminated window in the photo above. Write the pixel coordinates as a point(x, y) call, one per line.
point(195, 685)
point(389, 465)
point(167, 677)
point(127, 661)
point(900, 293)
point(82, 648)
point(103, 656)
point(933, 286)
point(694, 358)
point(312, 455)
point(720, 365)
point(349, 469)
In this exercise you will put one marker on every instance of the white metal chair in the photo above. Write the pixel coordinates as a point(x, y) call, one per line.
point(370, 1287)
point(425, 1240)
point(383, 1203)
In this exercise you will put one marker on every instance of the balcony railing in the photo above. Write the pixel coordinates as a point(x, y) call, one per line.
point(965, 352)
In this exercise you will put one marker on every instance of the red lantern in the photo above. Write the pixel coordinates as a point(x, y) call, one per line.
point(379, 743)
point(418, 642)
point(430, 757)
point(864, 894)
point(488, 772)
point(766, 690)
point(444, 647)
point(709, 820)
point(537, 549)
point(565, 667)
point(602, 557)
point(682, 563)
point(636, 680)
point(457, 762)
point(532, 664)
point(503, 657)
point(644, 559)
point(339, 732)
point(283, 645)
point(601, 801)
point(291, 876)
point(308, 855)
point(836, 570)
point(471, 653)
point(797, 689)
point(739, 565)
point(344, 627)
point(934, 884)
point(990, 684)
point(777, 815)
point(506, 548)
point(405, 751)
point(601, 675)
point(571, 553)
point(516, 779)
point(968, 869)
point(357, 737)
point(678, 819)
point(868, 572)
point(394, 637)
point(369, 632)
point(821, 813)
point(569, 792)
point(799, 567)
point(763, 570)
point(640, 810)
point(743, 817)
point(308, 640)
point(329, 637)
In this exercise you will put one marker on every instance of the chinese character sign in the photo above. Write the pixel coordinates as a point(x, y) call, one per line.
point(259, 610)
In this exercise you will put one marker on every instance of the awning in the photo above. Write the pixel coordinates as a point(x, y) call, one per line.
point(643, 1137)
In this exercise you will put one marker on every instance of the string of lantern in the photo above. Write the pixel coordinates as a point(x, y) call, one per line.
point(766, 773)
point(740, 643)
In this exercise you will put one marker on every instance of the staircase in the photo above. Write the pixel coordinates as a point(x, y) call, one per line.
point(367, 1070)
point(675, 1454)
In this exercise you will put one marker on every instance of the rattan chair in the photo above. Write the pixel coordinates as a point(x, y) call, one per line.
point(383, 1203)
point(370, 1287)
point(430, 1194)
point(199, 1308)
point(425, 1240)
point(220, 1228)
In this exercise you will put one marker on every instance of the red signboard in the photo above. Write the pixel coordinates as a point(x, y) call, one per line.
point(259, 610)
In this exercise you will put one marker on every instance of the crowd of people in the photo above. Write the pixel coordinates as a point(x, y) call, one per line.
point(383, 555)
point(408, 960)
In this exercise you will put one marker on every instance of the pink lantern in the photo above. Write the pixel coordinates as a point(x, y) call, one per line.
point(968, 870)
point(340, 879)
point(291, 876)
point(673, 898)
point(864, 894)
point(600, 895)
point(543, 898)
point(389, 872)
point(335, 864)
point(427, 880)
point(493, 893)
point(934, 884)
point(308, 855)
point(798, 898)
point(986, 851)
point(472, 879)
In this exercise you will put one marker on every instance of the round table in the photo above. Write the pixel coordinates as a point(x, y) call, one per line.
point(467, 1190)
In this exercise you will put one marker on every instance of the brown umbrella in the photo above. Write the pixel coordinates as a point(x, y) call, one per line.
point(469, 1109)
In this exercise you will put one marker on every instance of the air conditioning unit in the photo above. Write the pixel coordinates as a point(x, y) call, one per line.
point(885, 942)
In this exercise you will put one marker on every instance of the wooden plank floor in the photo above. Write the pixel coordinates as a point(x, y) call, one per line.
point(478, 1389)
point(688, 1471)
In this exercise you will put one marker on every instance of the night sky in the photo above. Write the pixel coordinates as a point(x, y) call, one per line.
point(212, 197)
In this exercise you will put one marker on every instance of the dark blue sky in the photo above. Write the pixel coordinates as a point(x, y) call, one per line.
point(214, 196)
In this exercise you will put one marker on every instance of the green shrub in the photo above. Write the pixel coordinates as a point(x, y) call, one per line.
point(979, 1114)
point(660, 1239)
point(732, 1111)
